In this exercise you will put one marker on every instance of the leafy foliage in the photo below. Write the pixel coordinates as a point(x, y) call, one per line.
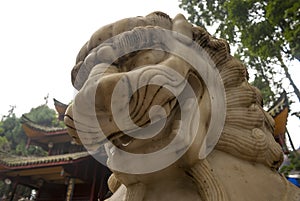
point(44, 116)
point(4, 144)
point(11, 131)
point(21, 191)
point(293, 165)
point(266, 34)
point(3, 188)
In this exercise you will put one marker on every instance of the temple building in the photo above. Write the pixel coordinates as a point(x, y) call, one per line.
point(68, 172)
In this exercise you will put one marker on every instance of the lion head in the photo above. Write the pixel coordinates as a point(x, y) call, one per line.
point(146, 83)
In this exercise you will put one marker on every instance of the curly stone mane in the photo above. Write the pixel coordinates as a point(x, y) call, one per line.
point(248, 129)
point(247, 133)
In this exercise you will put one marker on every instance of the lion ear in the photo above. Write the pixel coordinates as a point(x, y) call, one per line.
point(181, 25)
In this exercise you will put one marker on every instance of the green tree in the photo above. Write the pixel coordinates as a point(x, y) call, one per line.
point(4, 144)
point(293, 164)
point(11, 130)
point(4, 189)
point(44, 116)
point(266, 34)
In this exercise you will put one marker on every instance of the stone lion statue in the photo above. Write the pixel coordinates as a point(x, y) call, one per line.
point(154, 74)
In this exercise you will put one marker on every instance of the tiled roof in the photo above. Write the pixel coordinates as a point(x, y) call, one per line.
point(17, 162)
point(44, 129)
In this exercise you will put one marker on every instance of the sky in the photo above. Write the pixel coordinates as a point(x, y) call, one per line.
point(39, 42)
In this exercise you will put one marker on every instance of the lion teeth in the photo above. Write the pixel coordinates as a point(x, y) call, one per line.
point(125, 140)
point(126, 144)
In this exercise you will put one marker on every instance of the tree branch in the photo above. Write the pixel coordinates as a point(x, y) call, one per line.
point(288, 75)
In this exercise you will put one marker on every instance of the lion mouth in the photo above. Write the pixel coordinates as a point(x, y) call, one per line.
point(133, 141)
point(120, 139)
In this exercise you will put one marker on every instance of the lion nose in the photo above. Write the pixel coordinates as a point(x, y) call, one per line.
point(106, 88)
point(92, 107)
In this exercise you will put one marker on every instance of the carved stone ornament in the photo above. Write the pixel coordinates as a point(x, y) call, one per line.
point(176, 114)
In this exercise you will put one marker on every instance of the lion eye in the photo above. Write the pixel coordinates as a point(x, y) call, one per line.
point(150, 57)
point(140, 59)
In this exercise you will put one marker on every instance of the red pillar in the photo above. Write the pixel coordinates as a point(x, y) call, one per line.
point(13, 191)
point(70, 189)
point(92, 195)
